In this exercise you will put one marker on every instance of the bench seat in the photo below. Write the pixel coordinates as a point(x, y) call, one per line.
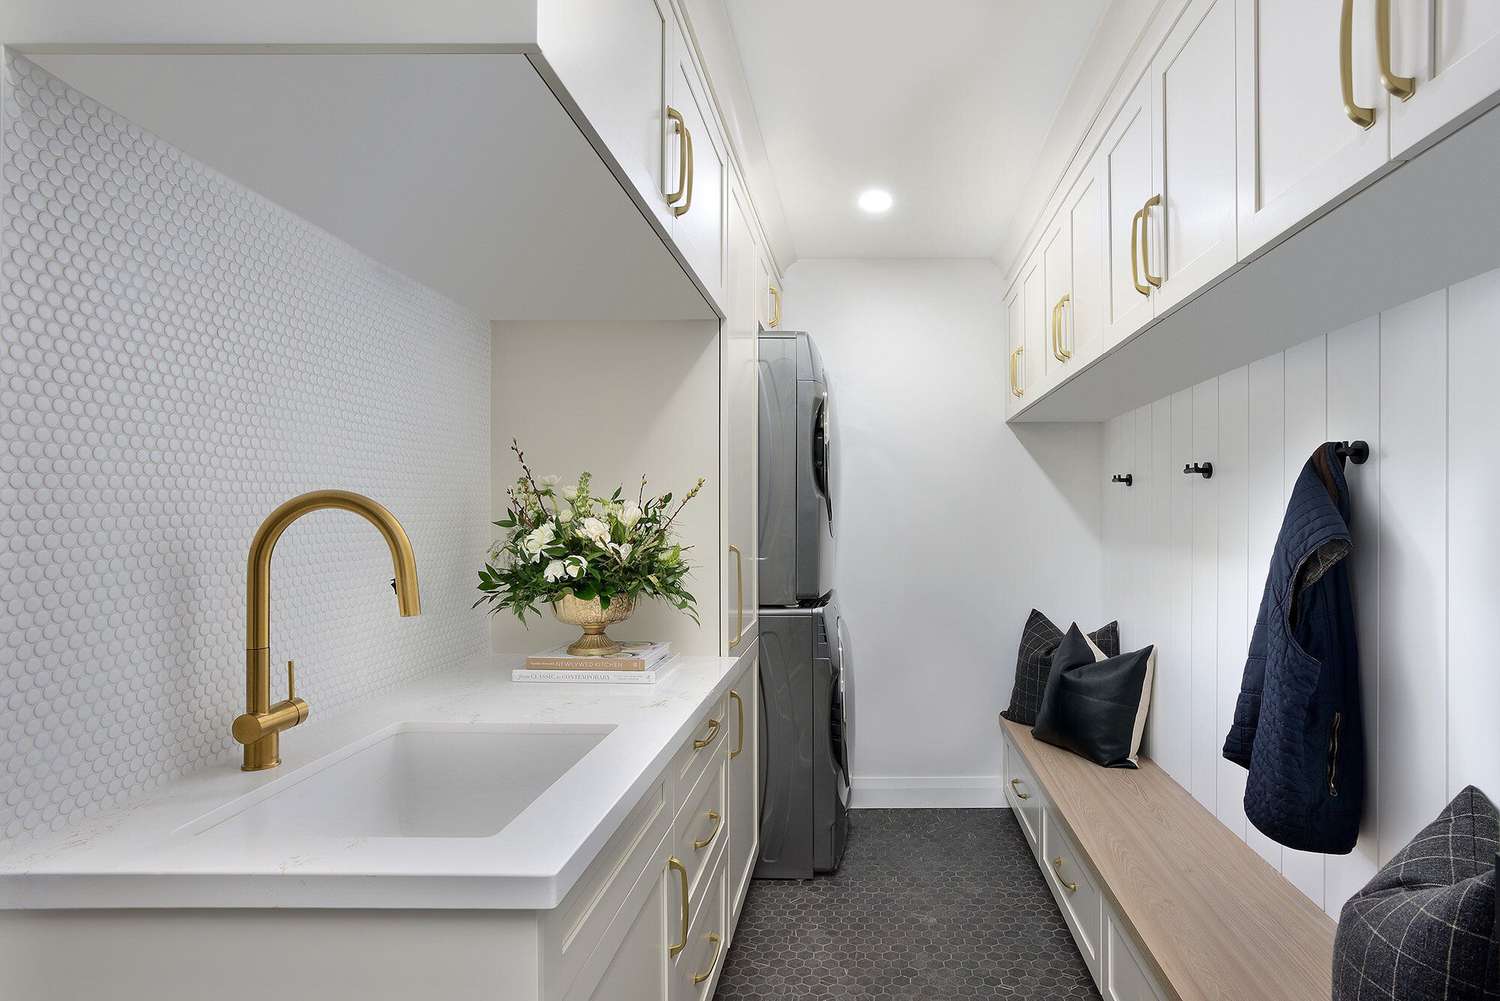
point(1180, 896)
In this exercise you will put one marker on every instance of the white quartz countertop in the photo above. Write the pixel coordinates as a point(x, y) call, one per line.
point(159, 852)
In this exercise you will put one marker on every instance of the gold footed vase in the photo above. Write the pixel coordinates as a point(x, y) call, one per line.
point(593, 618)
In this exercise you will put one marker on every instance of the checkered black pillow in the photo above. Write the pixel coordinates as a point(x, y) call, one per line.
point(1034, 663)
point(1424, 928)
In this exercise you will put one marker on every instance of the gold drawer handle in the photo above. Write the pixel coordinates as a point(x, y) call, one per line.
point(1015, 785)
point(1135, 264)
point(680, 127)
point(1058, 351)
point(1015, 365)
point(775, 318)
point(1151, 203)
point(702, 742)
point(675, 863)
point(740, 708)
point(1363, 117)
point(718, 822)
point(739, 589)
point(1070, 887)
point(1402, 87)
point(718, 944)
point(687, 195)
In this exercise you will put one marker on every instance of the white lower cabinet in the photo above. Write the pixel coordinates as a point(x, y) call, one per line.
point(744, 783)
point(637, 969)
point(1123, 975)
point(1076, 888)
point(1025, 798)
point(694, 970)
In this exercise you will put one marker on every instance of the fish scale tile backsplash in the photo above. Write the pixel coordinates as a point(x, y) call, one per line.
point(178, 355)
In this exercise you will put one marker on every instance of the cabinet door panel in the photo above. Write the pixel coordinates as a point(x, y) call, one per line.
point(739, 353)
point(1127, 174)
point(1452, 49)
point(1057, 281)
point(1192, 232)
point(1015, 341)
point(1082, 320)
point(699, 230)
point(1298, 149)
point(638, 969)
point(744, 790)
point(612, 57)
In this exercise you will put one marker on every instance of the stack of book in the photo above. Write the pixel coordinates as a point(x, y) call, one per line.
point(638, 664)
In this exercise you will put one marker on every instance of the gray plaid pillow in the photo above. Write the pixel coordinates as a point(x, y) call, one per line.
point(1424, 928)
point(1034, 663)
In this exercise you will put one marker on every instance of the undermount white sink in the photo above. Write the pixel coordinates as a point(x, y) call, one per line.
point(414, 780)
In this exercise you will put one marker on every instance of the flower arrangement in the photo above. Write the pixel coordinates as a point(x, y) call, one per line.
point(563, 541)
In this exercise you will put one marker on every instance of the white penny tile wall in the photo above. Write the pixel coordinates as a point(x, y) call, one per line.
point(1186, 558)
point(178, 356)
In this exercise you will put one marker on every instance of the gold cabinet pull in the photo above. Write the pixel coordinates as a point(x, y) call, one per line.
point(739, 746)
point(1015, 365)
point(775, 319)
point(739, 586)
point(1058, 312)
point(1151, 203)
point(679, 127)
point(1398, 86)
point(676, 863)
point(1135, 239)
point(702, 742)
point(1363, 117)
point(685, 163)
point(718, 822)
point(718, 944)
point(1070, 887)
point(1015, 785)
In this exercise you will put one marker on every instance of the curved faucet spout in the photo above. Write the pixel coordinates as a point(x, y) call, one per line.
point(262, 722)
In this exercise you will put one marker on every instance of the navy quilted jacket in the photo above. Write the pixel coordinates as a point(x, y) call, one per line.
point(1297, 724)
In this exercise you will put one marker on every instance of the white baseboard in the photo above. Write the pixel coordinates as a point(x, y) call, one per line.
point(910, 792)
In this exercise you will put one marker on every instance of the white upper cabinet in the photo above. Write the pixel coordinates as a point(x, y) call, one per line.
point(1081, 318)
point(695, 168)
point(1449, 51)
point(1191, 232)
point(612, 56)
point(1034, 333)
point(1126, 172)
point(1300, 148)
point(1015, 350)
point(739, 344)
point(1057, 287)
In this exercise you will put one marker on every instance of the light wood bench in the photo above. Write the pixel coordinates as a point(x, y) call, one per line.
point(1163, 900)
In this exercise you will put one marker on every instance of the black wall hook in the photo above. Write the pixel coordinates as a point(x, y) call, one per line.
point(1127, 479)
point(1355, 451)
point(1203, 469)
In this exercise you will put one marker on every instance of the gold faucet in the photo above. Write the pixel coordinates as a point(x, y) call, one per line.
point(260, 726)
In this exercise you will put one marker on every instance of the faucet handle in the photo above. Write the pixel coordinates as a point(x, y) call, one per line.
point(291, 680)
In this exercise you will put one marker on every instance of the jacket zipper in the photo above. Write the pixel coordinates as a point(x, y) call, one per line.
point(1333, 754)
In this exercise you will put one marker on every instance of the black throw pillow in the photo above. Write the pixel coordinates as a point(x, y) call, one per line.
point(1096, 708)
point(1424, 928)
point(1034, 663)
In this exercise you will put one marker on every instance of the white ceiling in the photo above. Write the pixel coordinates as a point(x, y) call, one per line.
point(945, 103)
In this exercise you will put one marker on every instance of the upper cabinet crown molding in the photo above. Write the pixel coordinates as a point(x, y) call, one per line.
point(1269, 170)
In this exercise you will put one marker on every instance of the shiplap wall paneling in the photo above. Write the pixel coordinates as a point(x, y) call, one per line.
point(1306, 429)
point(1474, 535)
point(1354, 414)
point(1155, 566)
point(1140, 551)
point(1203, 673)
point(1266, 497)
point(1411, 756)
point(1174, 669)
point(1231, 468)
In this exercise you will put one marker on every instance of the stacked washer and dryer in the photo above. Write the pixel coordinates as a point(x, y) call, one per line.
point(804, 642)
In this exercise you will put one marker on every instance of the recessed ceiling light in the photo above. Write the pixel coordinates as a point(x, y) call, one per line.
point(875, 200)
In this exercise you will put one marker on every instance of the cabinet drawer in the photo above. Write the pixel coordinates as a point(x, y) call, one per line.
point(1024, 795)
point(1074, 886)
point(699, 828)
point(694, 969)
point(698, 751)
point(1124, 976)
point(574, 929)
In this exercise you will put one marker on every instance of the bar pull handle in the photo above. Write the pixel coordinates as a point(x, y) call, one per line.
point(1135, 239)
point(680, 127)
point(1363, 117)
point(1151, 203)
point(1015, 785)
point(1070, 887)
point(682, 875)
point(739, 747)
point(687, 197)
point(718, 944)
point(1402, 87)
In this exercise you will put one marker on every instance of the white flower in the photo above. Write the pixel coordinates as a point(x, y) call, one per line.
point(570, 493)
point(595, 530)
point(576, 565)
point(621, 550)
point(539, 539)
point(549, 481)
point(565, 515)
point(630, 515)
point(554, 571)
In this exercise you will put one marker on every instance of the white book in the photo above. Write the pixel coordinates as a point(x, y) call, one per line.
point(648, 676)
point(637, 655)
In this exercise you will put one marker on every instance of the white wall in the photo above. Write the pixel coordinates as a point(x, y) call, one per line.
point(951, 525)
point(177, 357)
point(619, 400)
point(1416, 382)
